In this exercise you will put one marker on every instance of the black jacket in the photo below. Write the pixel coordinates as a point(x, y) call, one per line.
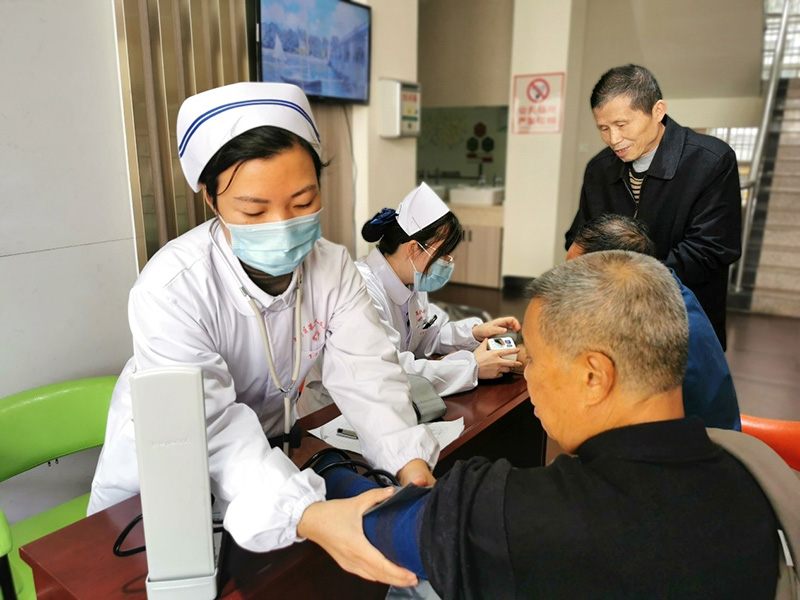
point(690, 200)
point(654, 510)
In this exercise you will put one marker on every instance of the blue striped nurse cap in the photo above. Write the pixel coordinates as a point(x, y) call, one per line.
point(209, 120)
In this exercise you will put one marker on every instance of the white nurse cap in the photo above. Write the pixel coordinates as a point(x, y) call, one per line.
point(419, 209)
point(208, 120)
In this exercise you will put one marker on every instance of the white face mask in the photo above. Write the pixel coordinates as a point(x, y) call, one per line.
point(275, 248)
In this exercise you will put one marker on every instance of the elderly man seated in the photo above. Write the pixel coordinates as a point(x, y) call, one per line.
point(647, 507)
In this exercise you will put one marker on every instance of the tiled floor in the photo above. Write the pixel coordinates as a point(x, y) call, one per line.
point(763, 353)
point(764, 357)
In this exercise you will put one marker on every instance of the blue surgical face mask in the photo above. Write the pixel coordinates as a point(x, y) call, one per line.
point(275, 248)
point(436, 277)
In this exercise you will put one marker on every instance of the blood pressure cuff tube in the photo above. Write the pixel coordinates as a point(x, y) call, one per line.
point(393, 529)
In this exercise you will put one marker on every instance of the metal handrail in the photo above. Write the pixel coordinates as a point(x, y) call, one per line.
point(758, 153)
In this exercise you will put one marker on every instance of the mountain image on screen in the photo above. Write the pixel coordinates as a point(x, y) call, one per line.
point(322, 46)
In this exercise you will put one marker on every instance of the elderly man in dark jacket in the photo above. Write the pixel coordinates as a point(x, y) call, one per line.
point(683, 185)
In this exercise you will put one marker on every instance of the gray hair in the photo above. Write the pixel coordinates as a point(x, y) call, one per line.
point(624, 304)
point(636, 82)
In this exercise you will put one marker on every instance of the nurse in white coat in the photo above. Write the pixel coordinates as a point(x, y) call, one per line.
point(411, 259)
point(254, 151)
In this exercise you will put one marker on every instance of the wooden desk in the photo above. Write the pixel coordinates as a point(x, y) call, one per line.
point(77, 561)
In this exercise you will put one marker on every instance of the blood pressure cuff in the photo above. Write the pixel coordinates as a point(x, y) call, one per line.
point(393, 526)
point(428, 405)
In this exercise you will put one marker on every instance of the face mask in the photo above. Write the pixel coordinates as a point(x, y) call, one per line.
point(438, 275)
point(275, 248)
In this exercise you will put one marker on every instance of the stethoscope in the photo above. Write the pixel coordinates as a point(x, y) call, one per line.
point(287, 402)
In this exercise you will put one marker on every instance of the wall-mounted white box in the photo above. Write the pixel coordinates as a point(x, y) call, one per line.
point(400, 104)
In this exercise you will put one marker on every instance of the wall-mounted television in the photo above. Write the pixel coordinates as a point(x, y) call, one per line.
point(322, 46)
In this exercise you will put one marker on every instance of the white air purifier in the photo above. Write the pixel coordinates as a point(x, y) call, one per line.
point(170, 428)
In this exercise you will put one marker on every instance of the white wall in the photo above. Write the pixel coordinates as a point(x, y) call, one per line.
point(465, 47)
point(539, 166)
point(67, 257)
point(705, 113)
point(386, 167)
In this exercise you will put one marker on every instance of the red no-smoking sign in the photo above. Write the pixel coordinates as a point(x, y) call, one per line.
point(538, 90)
point(538, 103)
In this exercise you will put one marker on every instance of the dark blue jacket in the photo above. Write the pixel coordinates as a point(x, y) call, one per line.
point(708, 390)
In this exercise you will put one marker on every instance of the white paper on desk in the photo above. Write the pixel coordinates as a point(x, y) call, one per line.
point(445, 433)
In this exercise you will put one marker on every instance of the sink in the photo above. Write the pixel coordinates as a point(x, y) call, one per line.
point(480, 195)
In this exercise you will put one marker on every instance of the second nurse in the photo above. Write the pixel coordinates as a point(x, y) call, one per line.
point(412, 258)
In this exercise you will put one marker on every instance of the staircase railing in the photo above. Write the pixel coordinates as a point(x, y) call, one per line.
point(758, 154)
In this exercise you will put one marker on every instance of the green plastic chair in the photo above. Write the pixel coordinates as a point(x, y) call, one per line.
point(37, 426)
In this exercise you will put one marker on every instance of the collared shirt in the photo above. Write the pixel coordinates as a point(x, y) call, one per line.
point(395, 290)
point(641, 164)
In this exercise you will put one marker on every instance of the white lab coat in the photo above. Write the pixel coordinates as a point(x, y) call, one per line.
point(186, 307)
point(404, 315)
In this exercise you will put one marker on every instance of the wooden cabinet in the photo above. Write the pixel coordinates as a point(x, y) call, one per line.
point(478, 256)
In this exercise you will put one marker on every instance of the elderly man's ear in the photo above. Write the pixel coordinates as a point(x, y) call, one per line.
point(599, 375)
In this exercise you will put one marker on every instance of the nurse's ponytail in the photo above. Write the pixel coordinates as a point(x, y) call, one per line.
point(375, 228)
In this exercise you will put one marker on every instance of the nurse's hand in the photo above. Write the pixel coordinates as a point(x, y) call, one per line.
point(416, 472)
point(336, 525)
point(495, 327)
point(491, 363)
